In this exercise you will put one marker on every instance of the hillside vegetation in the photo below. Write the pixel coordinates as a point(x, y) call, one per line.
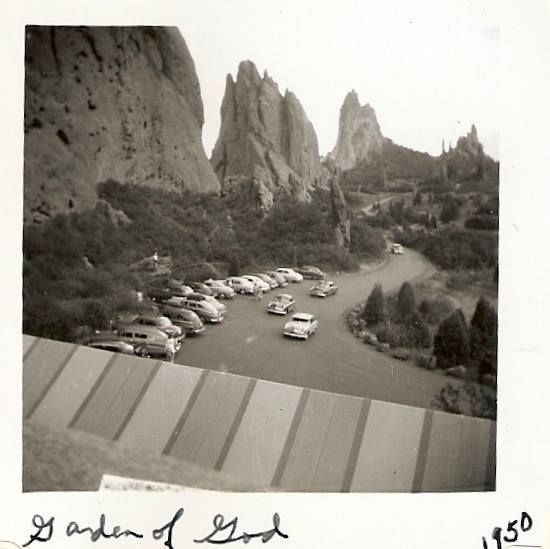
point(77, 267)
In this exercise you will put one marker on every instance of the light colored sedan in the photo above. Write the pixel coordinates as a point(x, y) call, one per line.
point(267, 279)
point(279, 278)
point(323, 288)
point(281, 304)
point(290, 274)
point(240, 285)
point(301, 326)
point(220, 289)
point(258, 282)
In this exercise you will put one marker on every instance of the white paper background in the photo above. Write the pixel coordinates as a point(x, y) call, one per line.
point(390, 521)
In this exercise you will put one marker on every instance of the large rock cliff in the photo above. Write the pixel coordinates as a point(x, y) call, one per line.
point(359, 136)
point(109, 103)
point(266, 142)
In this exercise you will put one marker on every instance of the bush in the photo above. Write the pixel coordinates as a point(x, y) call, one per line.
point(482, 222)
point(483, 337)
point(451, 342)
point(374, 311)
point(366, 242)
point(201, 271)
point(434, 310)
point(449, 212)
point(96, 314)
point(406, 301)
point(415, 335)
point(467, 399)
point(454, 249)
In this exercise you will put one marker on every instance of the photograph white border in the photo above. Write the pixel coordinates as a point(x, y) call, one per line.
point(332, 520)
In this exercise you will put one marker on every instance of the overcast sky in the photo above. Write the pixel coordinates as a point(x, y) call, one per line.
point(428, 71)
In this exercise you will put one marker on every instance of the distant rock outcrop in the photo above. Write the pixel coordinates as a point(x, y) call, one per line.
point(102, 103)
point(359, 136)
point(469, 145)
point(467, 160)
point(266, 143)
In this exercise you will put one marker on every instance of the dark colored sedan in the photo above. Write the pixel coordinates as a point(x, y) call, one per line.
point(308, 271)
point(200, 288)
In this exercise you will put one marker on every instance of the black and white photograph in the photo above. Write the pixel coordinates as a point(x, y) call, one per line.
point(261, 253)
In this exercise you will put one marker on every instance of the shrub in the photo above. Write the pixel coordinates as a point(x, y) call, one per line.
point(451, 343)
point(374, 311)
point(482, 222)
point(414, 335)
point(406, 301)
point(96, 314)
point(469, 398)
point(454, 249)
point(483, 336)
point(390, 334)
point(234, 266)
point(366, 242)
point(436, 309)
point(449, 212)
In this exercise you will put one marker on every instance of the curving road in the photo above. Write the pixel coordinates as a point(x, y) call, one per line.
point(250, 342)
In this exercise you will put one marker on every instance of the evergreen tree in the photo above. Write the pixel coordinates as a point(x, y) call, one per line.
point(373, 313)
point(234, 268)
point(420, 331)
point(483, 336)
point(406, 301)
point(450, 211)
point(451, 342)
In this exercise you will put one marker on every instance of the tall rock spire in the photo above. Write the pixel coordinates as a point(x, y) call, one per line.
point(359, 135)
point(265, 138)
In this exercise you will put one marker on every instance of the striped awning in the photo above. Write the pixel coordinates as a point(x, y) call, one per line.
point(261, 433)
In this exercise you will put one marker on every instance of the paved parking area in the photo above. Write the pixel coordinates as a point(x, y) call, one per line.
point(250, 342)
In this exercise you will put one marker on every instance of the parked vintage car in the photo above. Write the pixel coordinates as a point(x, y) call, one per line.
point(187, 320)
point(240, 285)
point(308, 271)
point(290, 274)
point(219, 289)
point(158, 321)
point(258, 282)
point(323, 288)
point(109, 343)
point(205, 310)
point(209, 299)
point(267, 279)
point(200, 288)
point(147, 341)
point(302, 325)
point(457, 371)
point(281, 304)
point(278, 277)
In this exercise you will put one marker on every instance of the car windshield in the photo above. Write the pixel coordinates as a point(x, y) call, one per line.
point(300, 319)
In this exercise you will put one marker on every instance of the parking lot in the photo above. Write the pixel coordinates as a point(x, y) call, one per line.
point(250, 342)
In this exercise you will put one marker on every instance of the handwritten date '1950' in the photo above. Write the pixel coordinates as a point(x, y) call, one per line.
point(513, 530)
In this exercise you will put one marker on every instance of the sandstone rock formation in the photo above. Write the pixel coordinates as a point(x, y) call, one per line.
point(467, 160)
point(266, 142)
point(109, 102)
point(469, 145)
point(341, 214)
point(359, 136)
